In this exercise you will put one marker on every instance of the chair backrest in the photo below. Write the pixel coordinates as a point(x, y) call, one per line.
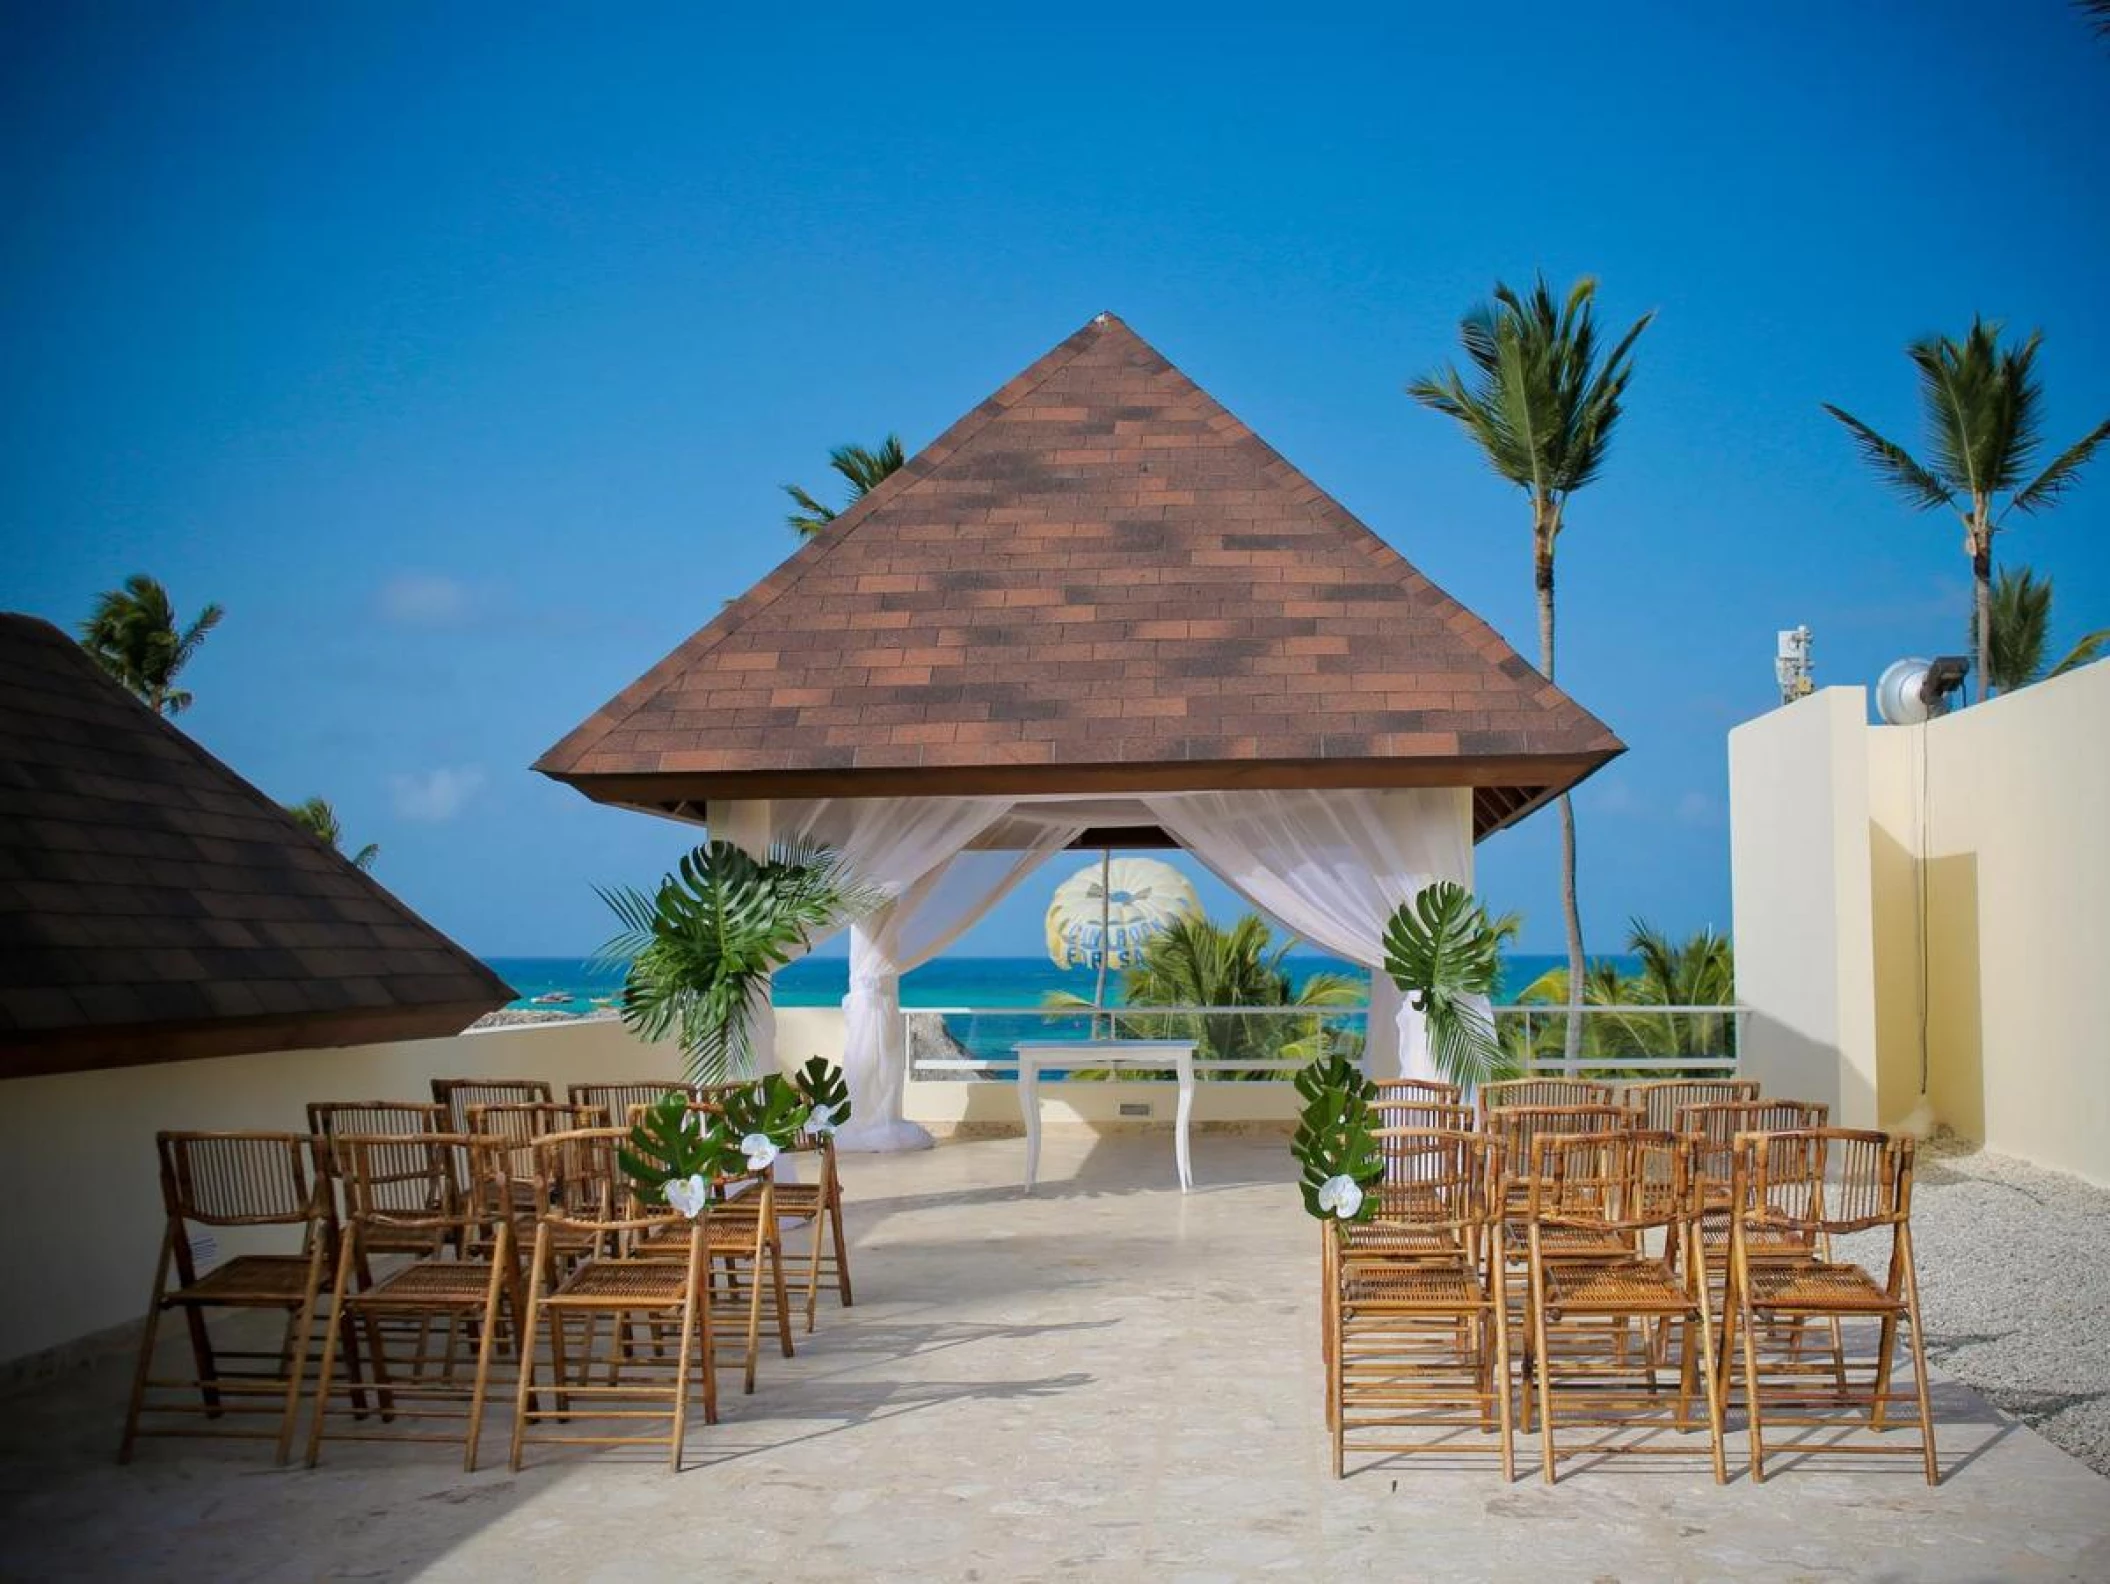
point(1505, 1093)
point(1626, 1180)
point(1387, 1113)
point(1829, 1180)
point(508, 1128)
point(580, 1184)
point(328, 1118)
point(458, 1094)
point(1519, 1128)
point(1438, 1179)
point(405, 1182)
point(1660, 1102)
point(614, 1100)
point(1417, 1091)
point(1713, 1126)
point(239, 1179)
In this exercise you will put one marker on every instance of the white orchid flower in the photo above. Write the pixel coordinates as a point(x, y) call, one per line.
point(1342, 1196)
point(822, 1120)
point(761, 1152)
point(688, 1198)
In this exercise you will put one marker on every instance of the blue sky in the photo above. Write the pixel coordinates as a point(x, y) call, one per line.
point(460, 350)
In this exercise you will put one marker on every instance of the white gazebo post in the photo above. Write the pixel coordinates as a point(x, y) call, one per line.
point(1437, 824)
point(746, 824)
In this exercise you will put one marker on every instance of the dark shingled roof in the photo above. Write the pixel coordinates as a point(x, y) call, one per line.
point(1098, 580)
point(155, 906)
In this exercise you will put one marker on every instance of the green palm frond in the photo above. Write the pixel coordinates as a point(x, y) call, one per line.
point(2086, 652)
point(861, 467)
point(2021, 629)
point(1542, 400)
point(132, 634)
point(698, 951)
point(1443, 953)
point(2048, 486)
point(1897, 466)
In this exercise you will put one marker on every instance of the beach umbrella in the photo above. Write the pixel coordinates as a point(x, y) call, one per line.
point(1103, 917)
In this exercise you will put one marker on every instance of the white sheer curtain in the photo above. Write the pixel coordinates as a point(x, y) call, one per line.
point(913, 851)
point(1333, 865)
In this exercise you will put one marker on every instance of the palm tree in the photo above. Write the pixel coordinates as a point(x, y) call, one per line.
point(133, 636)
point(2021, 631)
point(1541, 405)
point(318, 819)
point(1194, 962)
point(699, 949)
point(1699, 971)
point(1982, 406)
point(862, 468)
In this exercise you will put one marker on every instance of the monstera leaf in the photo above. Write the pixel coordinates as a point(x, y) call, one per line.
point(698, 951)
point(821, 1085)
point(1337, 1155)
point(1441, 950)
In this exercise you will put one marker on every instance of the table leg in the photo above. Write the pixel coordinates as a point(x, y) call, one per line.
point(1184, 1116)
point(1029, 1104)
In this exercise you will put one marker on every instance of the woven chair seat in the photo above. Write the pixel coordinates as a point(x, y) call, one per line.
point(429, 1283)
point(1439, 1288)
point(723, 1235)
point(1629, 1287)
point(622, 1284)
point(1572, 1242)
point(1820, 1288)
point(1399, 1240)
point(252, 1279)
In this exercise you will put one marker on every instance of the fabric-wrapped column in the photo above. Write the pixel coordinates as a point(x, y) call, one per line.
point(875, 1039)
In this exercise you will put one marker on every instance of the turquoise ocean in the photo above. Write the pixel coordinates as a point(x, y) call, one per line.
point(571, 984)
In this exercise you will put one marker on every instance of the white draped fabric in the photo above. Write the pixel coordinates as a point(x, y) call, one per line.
point(911, 850)
point(1334, 865)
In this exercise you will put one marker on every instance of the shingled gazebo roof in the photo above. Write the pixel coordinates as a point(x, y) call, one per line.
point(154, 906)
point(1097, 581)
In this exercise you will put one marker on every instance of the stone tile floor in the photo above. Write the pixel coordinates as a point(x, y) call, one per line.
point(1107, 1380)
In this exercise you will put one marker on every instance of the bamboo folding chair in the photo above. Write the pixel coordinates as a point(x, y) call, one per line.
point(1616, 1186)
point(420, 1188)
point(1510, 1092)
point(1712, 1128)
point(1840, 1180)
point(818, 1207)
point(234, 1180)
point(745, 1249)
point(458, 1094)
point(474, 1296)
point(1416, 1324)
point(582, 1196)
point(1660, 1102)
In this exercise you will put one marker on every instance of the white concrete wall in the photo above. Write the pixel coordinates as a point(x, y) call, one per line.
point(1933, 899)
point(1799, 861)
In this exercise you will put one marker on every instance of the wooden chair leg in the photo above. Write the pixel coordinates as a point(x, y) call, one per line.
point(145, 1367)
point(1922, 1388)
point(298, 1361)
point(340, 1318)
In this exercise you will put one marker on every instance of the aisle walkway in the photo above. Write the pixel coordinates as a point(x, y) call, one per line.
point(1108, 1380)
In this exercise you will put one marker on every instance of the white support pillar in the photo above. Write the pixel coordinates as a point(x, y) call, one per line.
point(1435, 823)
point(747, 825)
point(875, 1041)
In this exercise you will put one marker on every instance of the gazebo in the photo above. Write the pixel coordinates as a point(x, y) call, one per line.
point(1098, 610)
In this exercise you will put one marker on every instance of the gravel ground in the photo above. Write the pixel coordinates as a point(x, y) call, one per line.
point(2014, 1266)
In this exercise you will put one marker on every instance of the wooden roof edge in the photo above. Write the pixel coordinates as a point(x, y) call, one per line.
point(1537, 777)
point(581, 739)
point(94, 1049)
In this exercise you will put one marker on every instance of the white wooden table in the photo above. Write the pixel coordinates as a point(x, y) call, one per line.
point(1072, 1055)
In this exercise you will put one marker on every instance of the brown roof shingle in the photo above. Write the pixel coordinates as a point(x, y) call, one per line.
point(1098, 579)
point(155, 906)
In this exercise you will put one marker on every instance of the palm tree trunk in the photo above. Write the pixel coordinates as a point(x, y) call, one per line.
point(1571, 1044)
point(1982, 579)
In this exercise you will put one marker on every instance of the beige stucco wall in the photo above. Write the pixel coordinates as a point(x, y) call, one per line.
point(1987, 824)
point(1800, 883)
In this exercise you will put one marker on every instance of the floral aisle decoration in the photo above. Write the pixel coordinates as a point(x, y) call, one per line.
point(677, 1155)
point(1335, 1146)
